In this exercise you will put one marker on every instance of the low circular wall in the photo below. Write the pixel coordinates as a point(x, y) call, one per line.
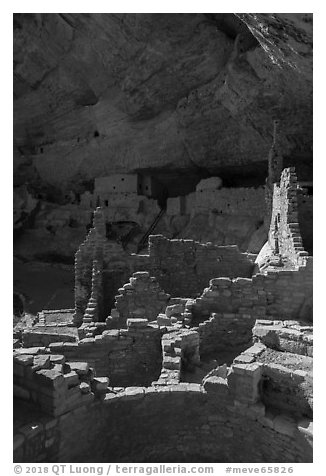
point(181, 423)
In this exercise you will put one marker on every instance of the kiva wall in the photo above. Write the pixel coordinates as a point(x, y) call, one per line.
point(194, 426)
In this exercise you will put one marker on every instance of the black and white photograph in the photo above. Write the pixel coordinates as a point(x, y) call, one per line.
point(162, 241)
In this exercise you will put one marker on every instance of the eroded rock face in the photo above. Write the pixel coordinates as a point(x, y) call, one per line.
point(176, 94)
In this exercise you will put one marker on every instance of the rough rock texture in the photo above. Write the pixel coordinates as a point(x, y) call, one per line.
point(173, 93)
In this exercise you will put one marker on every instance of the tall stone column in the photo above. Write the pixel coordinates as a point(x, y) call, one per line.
point(275, 167)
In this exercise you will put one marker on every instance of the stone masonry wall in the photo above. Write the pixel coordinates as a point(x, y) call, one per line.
point(184, 267)
point(48, 381)
point(287, 390)
point(282, 294)
point(242, 201)
point(286, 336)
point(285, 377)
point(180, 350)
point(88, 251)
point(129, 356)
point(225, 330)
point(142, 297)
point(43, 337)
point(100, 265)
point(195, 425)
point(284, 233)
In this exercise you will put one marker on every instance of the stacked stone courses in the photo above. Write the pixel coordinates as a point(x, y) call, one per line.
point(276, 293)
point(48, 381)
point(195, 423)
point(115, 366)
point(184, 267)
point(285, 216)
point(142, 297)
point(127, 356)
point(180, 349)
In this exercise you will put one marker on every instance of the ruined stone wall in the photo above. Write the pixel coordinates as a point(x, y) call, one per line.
point(184, 267)
point(288, 390)
point(101, 266)
point(49, 382)
point(116, 183)
point(129, 356)
point(285, 336)
point(241, 201)
point(244, 201)
point(195, 425)
point(286, 376)
point(223, 331)
point(123, 198)
point(180, 351)
point(44, 337)
point(91, 249)
point(142, 297)
point(284, 233)
point(282, 294)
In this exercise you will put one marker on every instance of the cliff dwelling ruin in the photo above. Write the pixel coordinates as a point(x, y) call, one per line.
point(163, 248)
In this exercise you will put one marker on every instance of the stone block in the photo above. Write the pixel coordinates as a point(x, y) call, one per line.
point(137, 323)
point(163, 320)
point(174, 310)
point(133, 393)
point(216, 385)
point(54, 346)
point(24, 360)
point(69, 346)
point(29, 351)
point(244, 359)
point(87, 341)
point(71, 379)
point(141, 275)
point(194, 387)
point(111, 397)
point(50, 377)
point(57, 359)
point(84, 388)
point(112, 334)
point(100, 384)
point(256, 350)
point(242, 281)
point(41, 362)
point(115, 314)
point(81, 368)
point(173, 363)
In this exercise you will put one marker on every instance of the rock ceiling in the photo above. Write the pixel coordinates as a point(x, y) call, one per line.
point(169, 93)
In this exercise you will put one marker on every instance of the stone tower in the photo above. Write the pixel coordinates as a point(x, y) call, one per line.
point(275, 167)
